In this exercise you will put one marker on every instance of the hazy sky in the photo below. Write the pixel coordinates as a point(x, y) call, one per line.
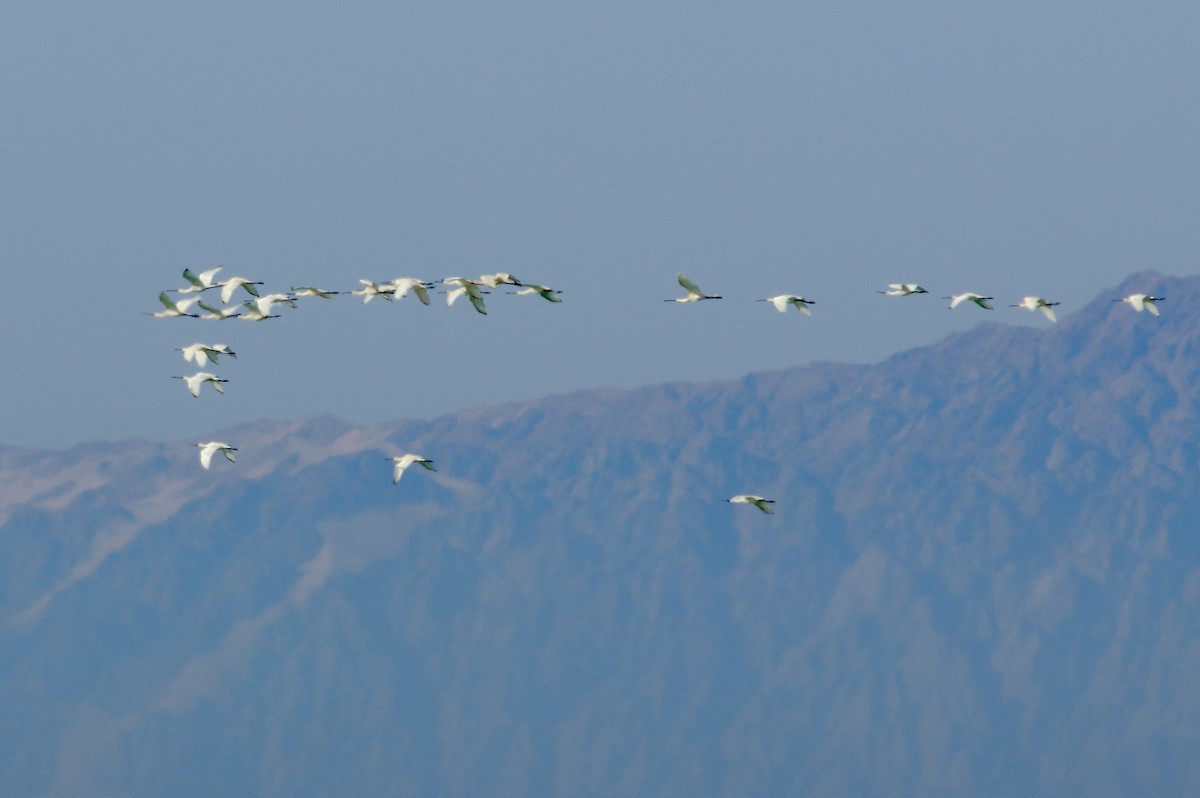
point(760, 147)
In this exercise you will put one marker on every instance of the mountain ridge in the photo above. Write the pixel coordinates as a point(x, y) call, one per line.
point(982, 575)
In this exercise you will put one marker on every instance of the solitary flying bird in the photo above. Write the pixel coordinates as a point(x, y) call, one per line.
point(205, 352)
point(404, 461)
point(207, 450)
point(757, 501)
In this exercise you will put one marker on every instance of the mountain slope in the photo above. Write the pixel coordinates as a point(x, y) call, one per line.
point(982, 577)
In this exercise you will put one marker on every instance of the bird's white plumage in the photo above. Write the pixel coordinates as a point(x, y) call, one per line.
point(404, 461)
point(694, 294)
point(173, 309)
point(464, 286)
point(402, 285)
point(1140, 302)
point(200, 282)
point(1032, 303)
point(783, 301)
point(979, 299)
point(233, 284)
point(209, 448)
point(195, 381)
point(903, 289)
point(757, 501)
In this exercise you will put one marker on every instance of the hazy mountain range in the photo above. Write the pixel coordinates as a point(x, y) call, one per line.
point(982, 578)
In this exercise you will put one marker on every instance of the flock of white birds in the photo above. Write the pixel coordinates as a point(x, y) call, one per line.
point(258, 308)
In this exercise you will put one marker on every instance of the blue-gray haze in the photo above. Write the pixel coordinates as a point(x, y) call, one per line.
point(761, 147)
point(982, 578)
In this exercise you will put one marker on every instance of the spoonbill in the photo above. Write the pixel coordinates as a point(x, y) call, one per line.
point(978, 299)
point(782, 301)
point(499, 278)
point(544, 291)
point(402, 285)
point(1032, 303)
point(1140, 302)
point(757, 501)
point(233, 284)
point(202, 352)
point(252, 311)
point(200, 282)
point(194, 381)
point(309, 290)
point(903, 289)
point(371, 289)
point(468, 287)
point(694, 294)
point(208, 449)
point(404, 461)
point(172, 309)
point(217, 314)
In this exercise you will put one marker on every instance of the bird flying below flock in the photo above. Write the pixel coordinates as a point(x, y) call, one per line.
point(203, 353)
point(468, 287)
point(694, 294)
point(978, 299)
point(782, 302)
point(903, 289)
point(199, 282)
point(1140, 302)
point(172, 309)
point(208, 449)
point(404, 461)
point(1032, 303)
point(233, 284)
point(194, 381)
point(757, 501)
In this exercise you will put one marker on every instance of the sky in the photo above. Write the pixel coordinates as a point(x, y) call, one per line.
point(823, 149)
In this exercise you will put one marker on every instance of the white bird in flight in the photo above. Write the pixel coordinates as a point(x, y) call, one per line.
point(544, 291)
point(217, 314)
point(208, 449)
point(201, 282)
point(172, 309)
point(1032, 303)
point(371, 289)
point(757, 501)
point(694, 294)
point(233, 283)
point(782, 302)
point(202, 353)
point(404, 461)
point(1140, 302)
point(499, 278)
point(903, 289)
point(194, 381)
point(468, 287)
point(309, 290)
point(978, 299)
point(402, 285)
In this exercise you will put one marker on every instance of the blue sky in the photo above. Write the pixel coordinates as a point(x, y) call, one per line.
point(760, 147)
